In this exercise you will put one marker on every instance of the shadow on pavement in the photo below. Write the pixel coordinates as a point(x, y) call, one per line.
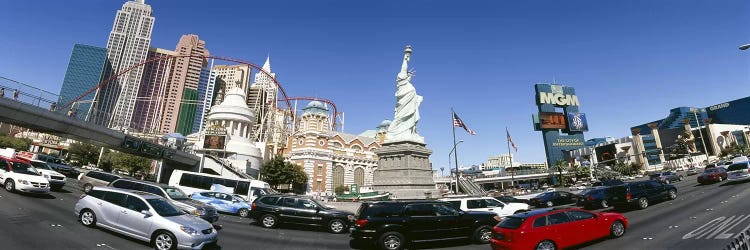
point(444, 244)
point(39, 196)
point(733, 183)
point(62, 190)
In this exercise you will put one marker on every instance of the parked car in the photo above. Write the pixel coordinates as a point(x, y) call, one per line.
point(667, 177)
point(556, 229)
point(639, 193)
point(509, 199)
point(713, 174)
point(56, 180)
point(593, 198)
point(93, 179)
point(226, 203)
point(607, 183)
point(392, 225)
point(57, 164)
point(271, 210)
point(738, 172)
point(17, 175)
point(172, 194)
point(143, 216)
point(550, 199)
point(487, 204)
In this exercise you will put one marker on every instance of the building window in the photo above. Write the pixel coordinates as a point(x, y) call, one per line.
point(322, 142)
point(320, 171)
point(338, 176)
point(357, 148)
point(359, 176)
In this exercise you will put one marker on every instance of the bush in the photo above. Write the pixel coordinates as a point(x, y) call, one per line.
point(341, 189)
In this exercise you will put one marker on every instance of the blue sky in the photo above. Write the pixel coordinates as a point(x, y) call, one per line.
point(630, 61)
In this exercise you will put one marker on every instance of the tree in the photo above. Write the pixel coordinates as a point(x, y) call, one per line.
point(341, 189)
point(84, 153)
point(561, 165)
point(19, 144)
point(130, 163)
point(278, 171)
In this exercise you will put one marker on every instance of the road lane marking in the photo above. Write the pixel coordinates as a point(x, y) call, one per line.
point(718, 228)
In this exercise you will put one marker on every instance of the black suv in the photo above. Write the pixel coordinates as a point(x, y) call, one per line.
point(639, 193)
point(667, 177)
point(270, 210)
point(393, 224)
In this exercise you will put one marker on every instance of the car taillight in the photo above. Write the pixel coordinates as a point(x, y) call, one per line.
point(497, 234)
point(628, 196)
point(591, 198)
point(253, 206)
point(361, 222)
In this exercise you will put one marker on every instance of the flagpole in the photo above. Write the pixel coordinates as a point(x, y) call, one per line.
point(507, 140)
point(455, 154)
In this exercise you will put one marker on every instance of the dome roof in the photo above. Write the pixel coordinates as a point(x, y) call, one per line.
point(385, 123)
point(233, 107)
point(316, 107)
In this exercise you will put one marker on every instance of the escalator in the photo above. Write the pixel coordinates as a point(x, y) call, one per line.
point(225, 166)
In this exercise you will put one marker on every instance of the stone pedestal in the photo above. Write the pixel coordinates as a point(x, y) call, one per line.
point(404, 170)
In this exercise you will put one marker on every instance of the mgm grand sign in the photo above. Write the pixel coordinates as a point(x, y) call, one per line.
point(559, 120)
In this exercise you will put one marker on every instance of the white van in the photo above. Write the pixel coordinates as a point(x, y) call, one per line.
point(191, 182)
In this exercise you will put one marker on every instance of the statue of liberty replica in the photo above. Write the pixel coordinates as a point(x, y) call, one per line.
point(404, 167)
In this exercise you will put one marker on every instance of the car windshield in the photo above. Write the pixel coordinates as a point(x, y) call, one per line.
point(164, 207)
point(176, 194)
point(41, 165)
point(737, 166)
point(239, 197)
point(511, 222)
point(23, 168)
point(546, 195)
point(711, 171)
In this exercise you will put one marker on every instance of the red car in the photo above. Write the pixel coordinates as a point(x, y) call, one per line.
point(711, 175)
point(555, 229)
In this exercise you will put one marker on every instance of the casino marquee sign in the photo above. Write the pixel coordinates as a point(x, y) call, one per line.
point(559, 120)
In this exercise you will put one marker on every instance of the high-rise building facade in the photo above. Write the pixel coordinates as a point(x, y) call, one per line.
point(232, 75)
point(206, 95)
point(182, 91)
point(156, 76)
point(128, 45)
point(84, 73)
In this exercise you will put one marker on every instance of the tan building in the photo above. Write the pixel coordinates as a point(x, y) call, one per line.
point(332, 158)
point(183, 85)
point(232, 75)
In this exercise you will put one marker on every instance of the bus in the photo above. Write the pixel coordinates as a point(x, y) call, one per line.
point(191, 182)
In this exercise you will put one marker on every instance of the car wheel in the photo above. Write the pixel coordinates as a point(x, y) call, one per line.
point(87, 187)
point(268, 221)
point(482, 235)
point(165, 241)
point(672, 194)
point(546, 245)
point(550, 204)
point(10, 186)
point(391, 241)
point(87, 218)
point(243, 212)
point(336, 226)
point(617, 229)
point(642, 203)
point(604, 204)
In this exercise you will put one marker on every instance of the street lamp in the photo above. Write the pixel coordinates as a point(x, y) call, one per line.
point(449, 162)
point(744, 47)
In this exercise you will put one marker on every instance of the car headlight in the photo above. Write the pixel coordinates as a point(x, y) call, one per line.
point(497, 218)
point(46, 176)
point(23, 182)
point(189, 230)
point(199, 212)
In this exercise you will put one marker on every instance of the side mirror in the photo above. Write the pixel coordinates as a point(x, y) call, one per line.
point(146, 213)
point(461, 212)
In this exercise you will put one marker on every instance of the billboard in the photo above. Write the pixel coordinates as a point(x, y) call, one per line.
point(551, 120)
point(214, 141)
point(577, 122)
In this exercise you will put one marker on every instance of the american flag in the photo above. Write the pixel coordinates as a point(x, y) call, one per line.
point(511, 140)
point(457, 122)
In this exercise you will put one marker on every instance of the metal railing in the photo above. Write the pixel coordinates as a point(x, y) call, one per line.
point(518, 172)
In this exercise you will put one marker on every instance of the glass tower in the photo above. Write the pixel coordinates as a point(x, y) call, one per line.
point(84, 73)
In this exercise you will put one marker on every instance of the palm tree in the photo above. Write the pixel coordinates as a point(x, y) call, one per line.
point(560, 165)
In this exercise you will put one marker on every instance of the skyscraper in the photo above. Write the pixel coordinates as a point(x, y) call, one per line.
point(84, 72)
point(261, 99)
point(206, 87)
point(128, 45)
point(232, 75)
point(182, 91)
point(156, 75)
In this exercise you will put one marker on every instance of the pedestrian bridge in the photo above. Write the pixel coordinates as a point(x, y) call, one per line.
point(532, 175)
point(42, 120)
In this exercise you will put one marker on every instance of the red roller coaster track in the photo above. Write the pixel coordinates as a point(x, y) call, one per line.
point(307, 98)
point(115, 76)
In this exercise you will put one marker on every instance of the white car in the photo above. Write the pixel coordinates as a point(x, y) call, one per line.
point(738, 172)
point(19, 176)
point(487, 204)
point(56, 180)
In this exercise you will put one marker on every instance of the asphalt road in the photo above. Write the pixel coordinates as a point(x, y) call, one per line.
point(48, 222)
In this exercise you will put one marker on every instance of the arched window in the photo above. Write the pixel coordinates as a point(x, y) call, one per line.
point(338, 176)
point(359, 176)
point(357, 148)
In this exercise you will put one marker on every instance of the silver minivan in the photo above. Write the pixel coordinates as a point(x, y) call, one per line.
point(144, 216)
point(739, 171)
